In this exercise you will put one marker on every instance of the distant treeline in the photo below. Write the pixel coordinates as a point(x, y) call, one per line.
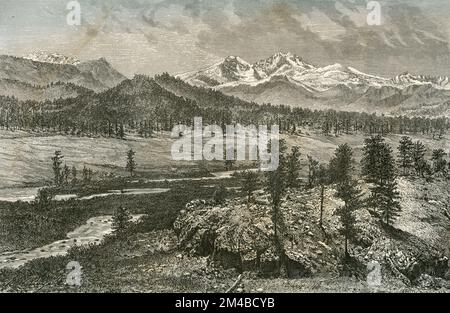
point(145, 104)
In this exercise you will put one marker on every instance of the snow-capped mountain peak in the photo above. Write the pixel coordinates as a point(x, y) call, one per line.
point(234, 66)
point(439, 82)
point(280, 62)
point(234, 71)
point(54, 58)
point(286, 79)
point(230, 69)
point(235, 59)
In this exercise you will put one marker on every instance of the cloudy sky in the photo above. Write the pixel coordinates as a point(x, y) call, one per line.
point(153, 36)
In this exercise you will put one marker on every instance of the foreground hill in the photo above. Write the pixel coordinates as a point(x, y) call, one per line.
point(235, 235)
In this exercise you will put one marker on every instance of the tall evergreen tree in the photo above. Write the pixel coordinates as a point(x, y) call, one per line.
point(74, 175)
point(341, 169)
point(121, 131)
point(293, 167)
point(418, 156)
point(313, 166)
point(86, 173)
point(370, 158)
point(250, 183)
point(323, 179)
point(276, 186)
point(56, 165)
point(66, 174)
point(405, 154)
point(350, 193)
point(384, 195)
point(43, 199)
point(131, 163)
point(121, 221)
point(439, 162)
point(341, 165)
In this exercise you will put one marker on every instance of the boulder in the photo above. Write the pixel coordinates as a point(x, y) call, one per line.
point(234, 235)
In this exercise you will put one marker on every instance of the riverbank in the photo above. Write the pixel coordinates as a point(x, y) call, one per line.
point(91, 233)
point(24, 226)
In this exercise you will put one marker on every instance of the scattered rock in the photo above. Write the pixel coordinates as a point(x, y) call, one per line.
point(430, 282)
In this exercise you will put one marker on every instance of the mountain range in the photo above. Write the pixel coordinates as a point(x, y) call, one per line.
point(34, 77)
point(285, 78)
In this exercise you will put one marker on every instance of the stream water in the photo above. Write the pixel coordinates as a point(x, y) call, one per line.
point(92, 232)
point(29, 194)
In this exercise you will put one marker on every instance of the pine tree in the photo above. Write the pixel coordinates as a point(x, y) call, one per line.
point(323, 179)
point(66, 174)
point(57, 162)
point(313, 165)
point(418, 156)
point(121, 221)
point(250, 183)
point(276, 186)
point(384, 195)
point(121, 131)
point(341, 169)
point(43, 199)
point(341, 165)
point(131, 163)
point(405, 154)
point(350, 193)
point(90, 174)
point(388, 201)
point(370, 159)
point(74, 175)
point(439, 163)
point(293, 167)
point(86, 175)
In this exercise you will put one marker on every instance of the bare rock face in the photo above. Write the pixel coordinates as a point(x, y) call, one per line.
point(232, 234)
point(241, 236)
point(238, 236)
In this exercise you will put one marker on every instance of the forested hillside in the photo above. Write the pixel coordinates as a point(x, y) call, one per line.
point(144, 104)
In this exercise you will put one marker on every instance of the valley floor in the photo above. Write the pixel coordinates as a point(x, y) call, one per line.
point(149, 258)
point(25, 158)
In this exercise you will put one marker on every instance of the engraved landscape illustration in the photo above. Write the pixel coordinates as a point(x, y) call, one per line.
point(224, 146)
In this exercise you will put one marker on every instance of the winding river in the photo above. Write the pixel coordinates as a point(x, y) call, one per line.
point(29, 194)
point(92, 232)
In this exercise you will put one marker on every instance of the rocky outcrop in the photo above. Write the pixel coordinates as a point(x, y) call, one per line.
point(235, 235)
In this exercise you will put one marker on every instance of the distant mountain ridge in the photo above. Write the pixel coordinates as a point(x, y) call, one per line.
point(24, 91)
point(285, 78)
point(234, 70)
point(55, 58)
point(41, 70)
